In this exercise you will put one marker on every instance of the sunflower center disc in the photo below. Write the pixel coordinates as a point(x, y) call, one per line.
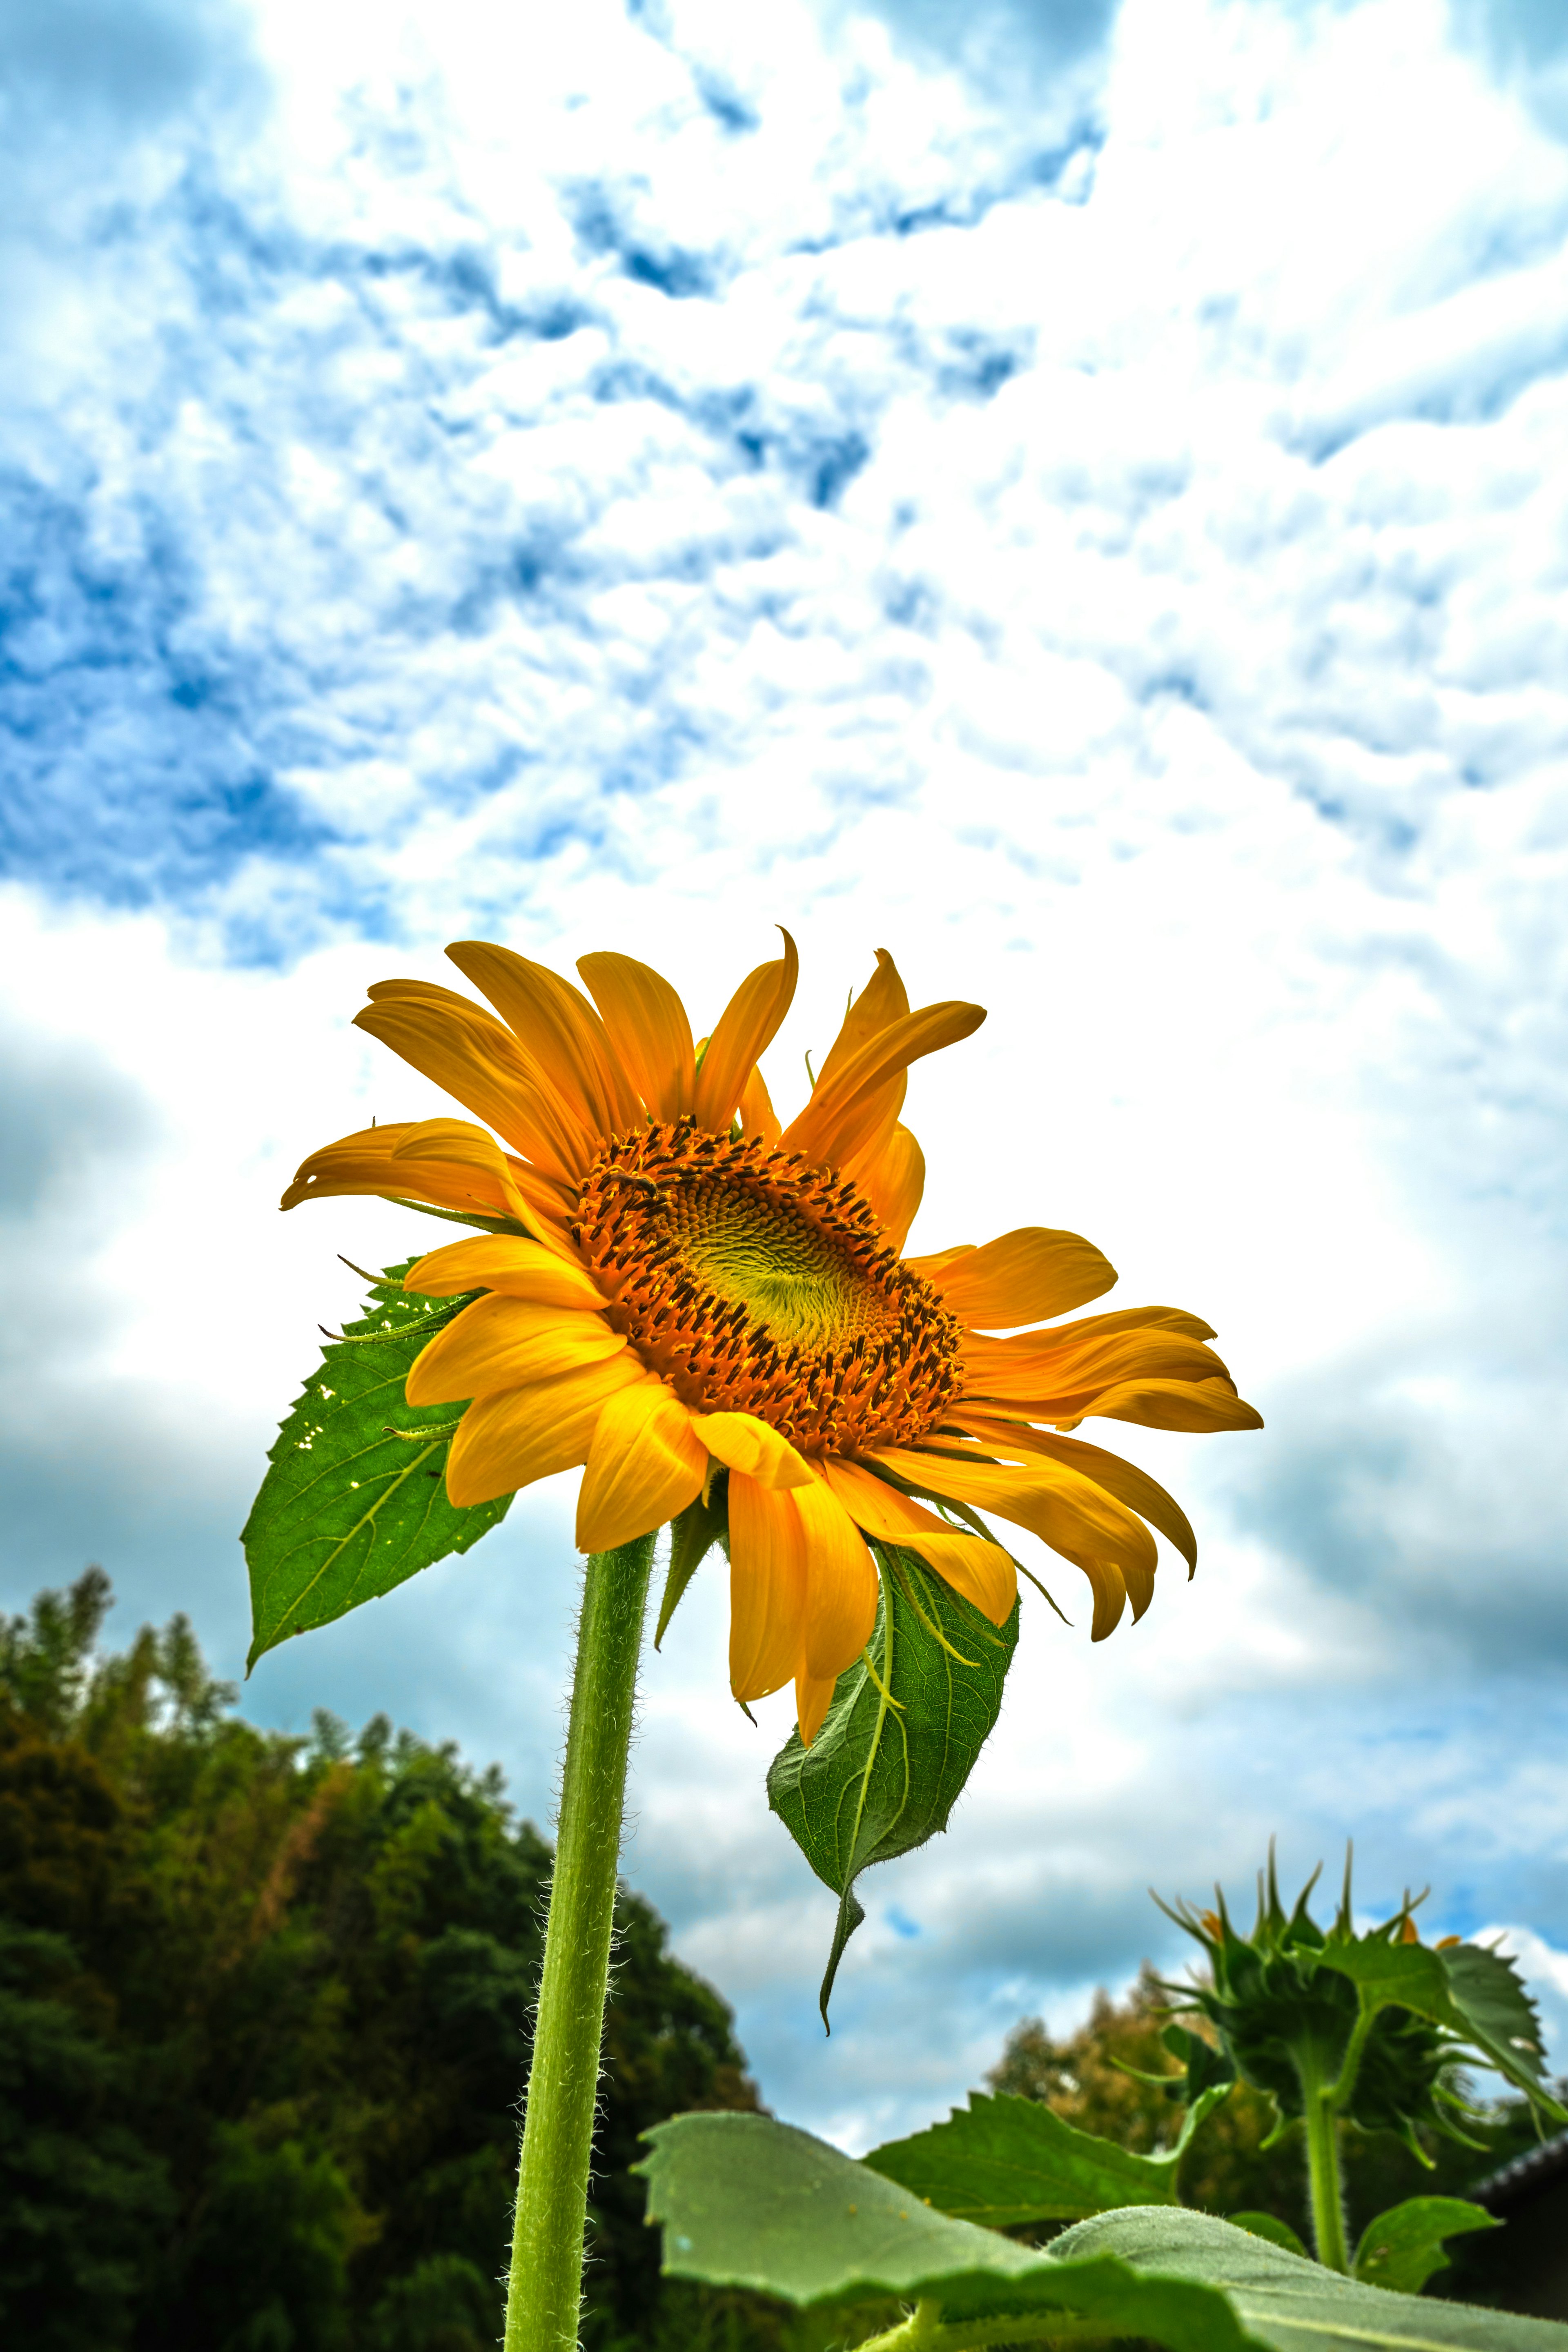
point(755, 1283)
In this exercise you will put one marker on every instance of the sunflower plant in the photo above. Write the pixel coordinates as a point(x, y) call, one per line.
point(711, 1314)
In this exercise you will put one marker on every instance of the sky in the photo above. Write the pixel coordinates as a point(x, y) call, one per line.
point(1068, 493)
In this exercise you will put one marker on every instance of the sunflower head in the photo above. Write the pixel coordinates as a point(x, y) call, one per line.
point(671, 1282)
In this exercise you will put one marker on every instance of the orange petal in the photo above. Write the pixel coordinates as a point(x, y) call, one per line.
point(743, 1442)
point(558, 1030)
point(453, 1142)
point(894, 1184)
point(1024, 1277)
point(1064, 1509)
point(845, 1111)
point(648, 1029)
point(364, 1163)
point(767, 1588)
point(744, 1030)
point(518, 1269)
point(981, 1571)
point(644, 1466)
point(1055, 1375)
point(758, 1116)
point(840, 1584)
point(1123, 1479)
point(1199, 1407)
point(882, 1000)
point(509, 1439)
point(500, 1343)
point(464, 1049)
point(812, 1701)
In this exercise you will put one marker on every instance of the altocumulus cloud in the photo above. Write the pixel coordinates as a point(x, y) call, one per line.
point(1071, 492)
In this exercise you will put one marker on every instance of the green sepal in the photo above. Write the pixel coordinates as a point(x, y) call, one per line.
point(355, 1499)
point(898, 1741)
point(693, 1535)
point(1403, 2247)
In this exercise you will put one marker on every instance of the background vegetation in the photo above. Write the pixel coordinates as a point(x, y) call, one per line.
point(263, 2015)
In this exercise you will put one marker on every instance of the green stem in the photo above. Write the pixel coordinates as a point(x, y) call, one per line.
point(1323, 2165)
point(545, 2288)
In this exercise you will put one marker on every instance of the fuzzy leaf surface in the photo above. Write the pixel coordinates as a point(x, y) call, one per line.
point(1290, 2302)
point(346, 1512)
point(883, 1773)
point(1403, 2247)
point(1004, 2160)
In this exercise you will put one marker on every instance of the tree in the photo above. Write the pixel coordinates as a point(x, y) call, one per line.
point(264, 2012)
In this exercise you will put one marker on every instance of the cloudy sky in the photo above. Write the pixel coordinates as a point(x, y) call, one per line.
point(1070, 493)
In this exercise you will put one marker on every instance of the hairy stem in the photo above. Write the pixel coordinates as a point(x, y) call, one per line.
point(544, 2290)
point(1323, 2165)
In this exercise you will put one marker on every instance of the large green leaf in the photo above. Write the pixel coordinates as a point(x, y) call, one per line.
point(1005, 2160)
point(1403, 2247)
point(747, 2202)
point(889, 1762)
point(1289, 2302)
point(346, 1511)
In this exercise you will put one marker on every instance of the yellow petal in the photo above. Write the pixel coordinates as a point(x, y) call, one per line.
point(1123, 1479)
point(894, 1184)
point(743, 1033)
point(845, 1111)
point(500, 1343)
point(743, 1442)
point(882, 1000)
point(517, 1269)
point(365, 1163)
point(840, 1584)
point(767, 1588)
point(477, 1060)
point(1055, 1374)
point(1064, 1509)
point(453, 1142)
point(648, 1028)
point(981, 1571)
point(1024, 1277)
point(1200, 1407)
point(757, 1114)
point(812, 1701)
point(509, 1439)
point(558, 1030)
point(644, 1466)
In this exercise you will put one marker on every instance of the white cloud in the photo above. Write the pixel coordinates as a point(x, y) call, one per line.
point(636, 486)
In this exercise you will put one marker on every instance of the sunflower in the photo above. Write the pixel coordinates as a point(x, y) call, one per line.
point(671, 1284)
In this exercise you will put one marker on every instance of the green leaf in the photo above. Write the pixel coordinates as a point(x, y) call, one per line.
point(1289, 2302)
point(1403, 2247)
point(887, 1766)
point(346, 1511)
point(1498, 2016)
point(1269, 2226)
point(1474, 1992)
point(745, 2201)
point(1004, 2160)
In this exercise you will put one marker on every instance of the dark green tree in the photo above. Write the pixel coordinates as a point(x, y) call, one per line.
point(264, 2006)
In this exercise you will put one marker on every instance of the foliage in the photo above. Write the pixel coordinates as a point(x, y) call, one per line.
point(1101, 2079)
point(746, 2202)
point(264, 2010)
point(899, 1739)
point(355, 1502)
